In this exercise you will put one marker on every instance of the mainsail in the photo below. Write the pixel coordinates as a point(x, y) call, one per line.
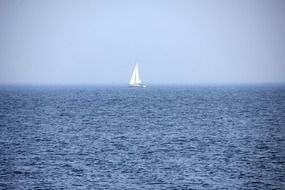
point(135, 79)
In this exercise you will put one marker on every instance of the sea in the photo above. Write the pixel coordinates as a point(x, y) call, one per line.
point(161, 137)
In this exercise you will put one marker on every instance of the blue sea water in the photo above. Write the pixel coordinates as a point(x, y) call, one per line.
point(161, 137)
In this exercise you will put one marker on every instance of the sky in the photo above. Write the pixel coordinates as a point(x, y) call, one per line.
point(174, 41)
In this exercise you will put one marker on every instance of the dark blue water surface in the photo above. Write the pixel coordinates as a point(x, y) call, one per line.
point(227, 137)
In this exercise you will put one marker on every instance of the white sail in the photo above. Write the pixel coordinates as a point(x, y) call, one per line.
point(135, 79)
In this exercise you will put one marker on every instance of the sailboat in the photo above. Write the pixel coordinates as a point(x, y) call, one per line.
point(135, 79)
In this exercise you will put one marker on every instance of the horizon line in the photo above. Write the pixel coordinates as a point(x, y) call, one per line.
point(148, 84)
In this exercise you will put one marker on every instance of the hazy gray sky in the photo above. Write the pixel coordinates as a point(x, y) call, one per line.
point(174, 41)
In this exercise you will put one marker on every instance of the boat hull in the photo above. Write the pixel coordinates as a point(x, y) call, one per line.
point(137, 85)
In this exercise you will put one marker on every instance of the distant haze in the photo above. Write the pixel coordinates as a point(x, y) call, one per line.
point(174, 41)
